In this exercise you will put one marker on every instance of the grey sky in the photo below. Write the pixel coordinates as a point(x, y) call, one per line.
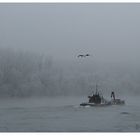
point(108, 31)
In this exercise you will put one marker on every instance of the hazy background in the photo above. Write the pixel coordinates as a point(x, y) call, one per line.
point(39, 44)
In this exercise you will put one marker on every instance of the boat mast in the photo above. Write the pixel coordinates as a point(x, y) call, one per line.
point(96, 89)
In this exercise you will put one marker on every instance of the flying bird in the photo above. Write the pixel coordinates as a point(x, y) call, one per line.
point(81, 55)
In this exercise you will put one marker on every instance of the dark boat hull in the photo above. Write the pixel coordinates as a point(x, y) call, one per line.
point(96, 105)
point(109, 103)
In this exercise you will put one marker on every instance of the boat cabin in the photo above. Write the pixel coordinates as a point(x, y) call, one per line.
point(95, 98)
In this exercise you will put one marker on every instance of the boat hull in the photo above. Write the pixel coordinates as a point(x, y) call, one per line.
point(117, 102)
point(96, 105)
point(109, 103)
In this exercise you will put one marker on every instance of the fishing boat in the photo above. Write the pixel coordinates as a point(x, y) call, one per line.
point(98, 100)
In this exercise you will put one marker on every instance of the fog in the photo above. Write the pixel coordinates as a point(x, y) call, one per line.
point(39, 45)
point(63, 30)
point(53, 55)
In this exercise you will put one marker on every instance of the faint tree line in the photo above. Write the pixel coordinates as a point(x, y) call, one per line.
point(25, 74)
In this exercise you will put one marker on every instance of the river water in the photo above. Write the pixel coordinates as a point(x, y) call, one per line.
point(63, 114)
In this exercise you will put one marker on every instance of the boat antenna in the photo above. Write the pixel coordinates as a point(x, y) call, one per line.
point(96, 89)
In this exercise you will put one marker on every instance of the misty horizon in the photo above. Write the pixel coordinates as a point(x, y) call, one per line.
point(58, 33)
point(69, 67)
